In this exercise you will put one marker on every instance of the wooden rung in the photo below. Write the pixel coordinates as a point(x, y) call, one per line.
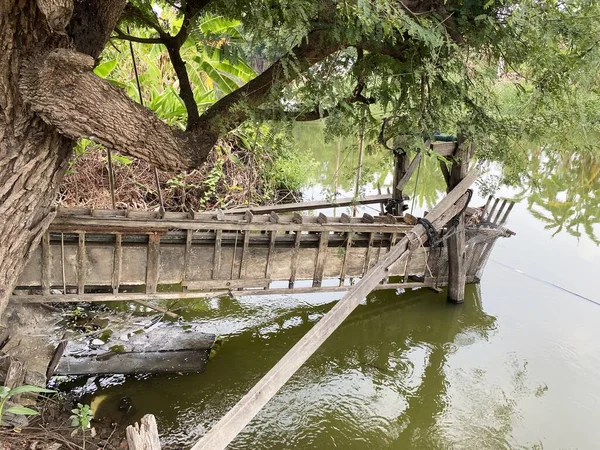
point(152, 263)
point(322, 218)
point(46, 263)
point(81, 257)
point(321, 259)
point(506, 214)
point(117, 258)
point(368, 218)
point(495, 219)
point(244, 261)
point(273, 236)
point(217, 255)
point(294, 259)
point(491, 214)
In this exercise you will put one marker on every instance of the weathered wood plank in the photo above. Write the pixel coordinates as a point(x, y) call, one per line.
point(270, 254)
point(226, 284)
point(244, 261)
point(403, 181)
point(345, 257)
point(505, 217)
point(367, 261)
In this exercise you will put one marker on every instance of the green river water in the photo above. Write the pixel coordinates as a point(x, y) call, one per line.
point(516, 366)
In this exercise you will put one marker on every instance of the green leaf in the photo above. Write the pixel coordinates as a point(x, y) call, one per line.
point(103, 70)
point(27, 388)
point(22, 410)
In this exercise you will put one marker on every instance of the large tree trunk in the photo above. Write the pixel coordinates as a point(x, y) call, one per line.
point(33, 156)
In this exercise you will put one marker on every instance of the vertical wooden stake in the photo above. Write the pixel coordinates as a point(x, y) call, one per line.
point(152, 263)
point(271, 250)
point(46, 261)
point(217, 255)
point(367, 261)
point(244, 261)
point(187, 256)
point(346, 256)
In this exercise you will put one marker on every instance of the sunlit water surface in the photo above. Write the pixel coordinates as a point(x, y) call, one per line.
point(516, 366)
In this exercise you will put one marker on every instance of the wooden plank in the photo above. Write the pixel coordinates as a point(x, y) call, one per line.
point(227, 284)
point(56, 356)
point(445, 172)
point(216, 268)
point(457, 275)
point(486, 208)
point(244, 261)
point(246, 409)
point(446, 149)
point(122, 297)
point(270, 252)
point(117, 259)
point(402, 182)
point(46, 265)
point(152, 263)
point(305, 206)
point(143, 436)
point(15, 376)
point(294, 259)
point(491, 213)
point(321, 259)
point(81, 259)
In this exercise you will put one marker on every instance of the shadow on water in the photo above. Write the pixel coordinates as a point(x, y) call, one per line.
point(378, 382)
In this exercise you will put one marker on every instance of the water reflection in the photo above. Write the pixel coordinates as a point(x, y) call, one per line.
point(563, 191)
point(381, 381)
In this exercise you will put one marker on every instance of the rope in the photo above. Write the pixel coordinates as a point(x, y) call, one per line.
point(161, 210)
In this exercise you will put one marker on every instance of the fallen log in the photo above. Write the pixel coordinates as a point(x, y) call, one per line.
point(164, 350)
point(244, 411)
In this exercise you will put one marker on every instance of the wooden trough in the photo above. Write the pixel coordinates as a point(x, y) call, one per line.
point(104, 255)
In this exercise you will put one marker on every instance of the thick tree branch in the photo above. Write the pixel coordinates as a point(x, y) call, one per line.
point(64, 91)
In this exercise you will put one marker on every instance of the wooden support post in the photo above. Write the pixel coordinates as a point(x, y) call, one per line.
point(217, 255)
point(152, 263)
point(143, 436)
point(457, 270)
point(246, 409)
point(46, 257)
point(321, 258)
point(81, 257)
point(117, 257)
point(294, 263)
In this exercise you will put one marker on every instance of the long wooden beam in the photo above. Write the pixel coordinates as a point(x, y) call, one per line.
point(244, 411)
